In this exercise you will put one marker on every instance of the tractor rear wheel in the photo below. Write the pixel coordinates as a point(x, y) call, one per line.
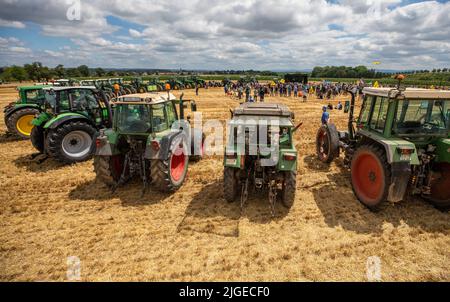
point(108, 169)
point(37, 138)
point(327, 143)
point(440, 194)
point(72, 142)
point(370, 176)
point(168, 175)
point(289, 187)
point(19, 122)
point(230, 184)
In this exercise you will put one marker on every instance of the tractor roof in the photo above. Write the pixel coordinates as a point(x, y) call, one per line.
point(61, 88)
point(263, 109)
point(409, 93)
point(147, 98)
point(33, 87)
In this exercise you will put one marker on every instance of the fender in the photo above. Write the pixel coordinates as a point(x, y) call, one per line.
point(65, 117)
point(164, 145)
point(16, 107)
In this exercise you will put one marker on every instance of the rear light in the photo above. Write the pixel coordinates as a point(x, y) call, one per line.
point(289, 156)
point(155, 145)
point(99, 142)
point(405, 151)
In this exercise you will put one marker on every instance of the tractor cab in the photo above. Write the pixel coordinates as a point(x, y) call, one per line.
point(152, 112)
point(417, 115)
point(86, 101)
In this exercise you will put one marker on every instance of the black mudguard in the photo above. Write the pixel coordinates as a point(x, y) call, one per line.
point(400, 174)
point(64, 120)
point(165, 144)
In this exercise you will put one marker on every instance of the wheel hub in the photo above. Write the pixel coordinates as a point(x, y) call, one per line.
point(77, 144)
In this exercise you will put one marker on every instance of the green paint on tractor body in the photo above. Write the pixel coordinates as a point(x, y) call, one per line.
point(68, 124)
point(400, 144)
point(260, 152)
point(149, 138)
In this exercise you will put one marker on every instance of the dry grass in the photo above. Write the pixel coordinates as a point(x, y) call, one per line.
point(49, 212)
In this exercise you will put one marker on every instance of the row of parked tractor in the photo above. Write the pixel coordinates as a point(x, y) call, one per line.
point(399, 144)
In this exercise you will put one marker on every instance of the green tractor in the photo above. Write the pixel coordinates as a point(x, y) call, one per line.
point(154, 84)
point(175, 84)
point(260, 152)
point(67, 127)
point(19, 114)
point(400, 145)
point(139, 86)
point(149, 138)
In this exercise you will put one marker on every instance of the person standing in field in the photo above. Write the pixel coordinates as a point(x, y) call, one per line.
point(196, 89)
point(255, 93)
point(325, 116)
point(261, 94)
point(247, 92)
point(295, 90)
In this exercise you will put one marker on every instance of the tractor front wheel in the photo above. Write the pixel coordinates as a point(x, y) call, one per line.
point(72, 142)
point(168, 175)
point(108, 169)
point(370, 175)
point(230, 184)
point(327, 143)
point(37, 138)
point(289, 187)
point(19, 122)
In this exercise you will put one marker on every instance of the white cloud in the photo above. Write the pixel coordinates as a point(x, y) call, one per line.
point(13, 24)
point(237, 34)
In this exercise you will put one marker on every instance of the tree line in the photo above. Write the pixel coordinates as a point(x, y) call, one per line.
point(36, 71)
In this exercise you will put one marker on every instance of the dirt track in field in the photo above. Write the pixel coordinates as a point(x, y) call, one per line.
point(50, 212)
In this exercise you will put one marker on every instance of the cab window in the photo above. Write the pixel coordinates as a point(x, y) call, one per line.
point(171, 116)
point(83, 99)
point(159, 118)
point(365, 110)
point(379, 114)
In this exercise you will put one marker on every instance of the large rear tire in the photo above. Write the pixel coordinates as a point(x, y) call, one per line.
point(37, 138)
point(327, 143)
point(19, 123)
point(370, 176)
point(289, 188)
point(440, 193)
point(169, 175)
point(108, 169)
point(72, 142)
point(230, 184)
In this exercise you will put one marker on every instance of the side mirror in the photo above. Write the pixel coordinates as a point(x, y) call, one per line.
point(193, 106)
point(347, 107)
point(298, 126)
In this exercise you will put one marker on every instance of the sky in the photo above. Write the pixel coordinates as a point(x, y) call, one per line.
point(226, 34)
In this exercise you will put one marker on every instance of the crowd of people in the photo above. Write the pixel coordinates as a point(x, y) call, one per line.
point(254, 92)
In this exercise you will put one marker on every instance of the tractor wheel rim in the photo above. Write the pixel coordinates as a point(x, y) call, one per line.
point(367, 174)
point(24, 125)
point(77, 144)
point(177, 165)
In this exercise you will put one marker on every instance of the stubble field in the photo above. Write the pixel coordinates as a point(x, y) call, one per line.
point(49, 212)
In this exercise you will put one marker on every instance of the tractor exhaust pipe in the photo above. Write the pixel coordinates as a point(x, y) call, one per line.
point(351, 131)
